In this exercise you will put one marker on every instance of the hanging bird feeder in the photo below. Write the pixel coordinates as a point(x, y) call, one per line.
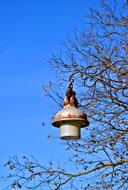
point(70, 119)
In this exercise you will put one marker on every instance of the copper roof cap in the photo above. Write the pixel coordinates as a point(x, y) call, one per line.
point(70, 112)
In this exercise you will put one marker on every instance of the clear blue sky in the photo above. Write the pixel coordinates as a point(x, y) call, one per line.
point(30, 32)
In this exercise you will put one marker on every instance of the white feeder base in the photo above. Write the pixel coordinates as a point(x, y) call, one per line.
point(69, 132)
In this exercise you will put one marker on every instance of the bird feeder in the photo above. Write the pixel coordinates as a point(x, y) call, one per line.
point(70, 119)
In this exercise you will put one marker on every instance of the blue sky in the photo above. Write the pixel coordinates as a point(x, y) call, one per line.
point(31, 31)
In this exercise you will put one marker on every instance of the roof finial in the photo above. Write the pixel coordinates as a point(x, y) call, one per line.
point(70, 99)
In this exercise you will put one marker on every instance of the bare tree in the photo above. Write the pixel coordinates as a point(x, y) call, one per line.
point(97, 59)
